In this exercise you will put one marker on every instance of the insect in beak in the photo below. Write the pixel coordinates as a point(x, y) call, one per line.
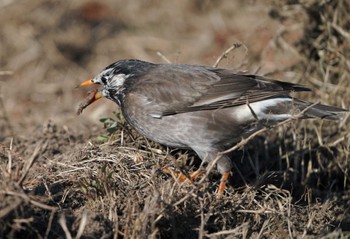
point(93, 96)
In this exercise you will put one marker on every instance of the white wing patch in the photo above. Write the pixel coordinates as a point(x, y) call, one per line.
point(244, 113)
point(156, 115)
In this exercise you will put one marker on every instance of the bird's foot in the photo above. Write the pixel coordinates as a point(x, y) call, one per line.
point(183, 177)
point(192, 177)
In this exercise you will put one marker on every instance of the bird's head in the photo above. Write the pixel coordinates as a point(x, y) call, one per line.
point(113, 79)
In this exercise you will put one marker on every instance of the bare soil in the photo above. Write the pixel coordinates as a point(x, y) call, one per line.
point(67, 176)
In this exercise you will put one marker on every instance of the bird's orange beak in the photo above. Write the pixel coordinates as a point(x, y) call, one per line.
point(87, 82)
point(93, 96)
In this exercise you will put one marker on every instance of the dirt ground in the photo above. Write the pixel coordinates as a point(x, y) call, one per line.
point(92, 176)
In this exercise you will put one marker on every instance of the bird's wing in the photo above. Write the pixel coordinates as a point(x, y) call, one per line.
point(174, 89)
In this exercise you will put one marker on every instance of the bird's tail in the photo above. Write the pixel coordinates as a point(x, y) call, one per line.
point(320, 111)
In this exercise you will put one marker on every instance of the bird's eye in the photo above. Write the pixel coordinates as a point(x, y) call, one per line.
point(104, 80)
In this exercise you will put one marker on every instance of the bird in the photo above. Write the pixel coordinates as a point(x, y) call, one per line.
point(201, 108)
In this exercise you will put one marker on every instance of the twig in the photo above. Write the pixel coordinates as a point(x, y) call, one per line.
point(82, 225)
point(309, 224)
point(9, 166)
point(340, 30)
point(266, 222)
point(6, 73)
point(163, 57)
point(49, 224)
point(7, 210)
point(28, 199)
point(234, 231)
point(261, 211)
point(4, 114)
point(31, 160)
point(225, 53)
point(10, 150)
point(63, 223)
point(337, 141)
point(203, 222)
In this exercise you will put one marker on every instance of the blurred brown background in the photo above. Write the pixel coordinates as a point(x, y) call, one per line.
point(292, 182)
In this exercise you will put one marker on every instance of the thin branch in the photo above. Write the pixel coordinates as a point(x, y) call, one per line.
point(31, 160)
point(49, 224)
point(225, 53)
point(82, 225)
point(28, 199)
point(10, 208)
point(63, 223)
point(235, 231)
point(4, 114)
point(6, 73)
point(163, 57)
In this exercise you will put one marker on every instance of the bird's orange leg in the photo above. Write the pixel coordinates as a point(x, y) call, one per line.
point(222, 185)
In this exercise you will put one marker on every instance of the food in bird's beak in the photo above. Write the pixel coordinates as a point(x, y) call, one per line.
point(91, 98)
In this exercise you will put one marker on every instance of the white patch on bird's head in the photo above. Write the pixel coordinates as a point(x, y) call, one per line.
point(109, 78)
point(112, 79)
point(113, 85)
point(117, 80)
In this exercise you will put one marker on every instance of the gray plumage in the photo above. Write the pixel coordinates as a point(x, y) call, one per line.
point(202, 108)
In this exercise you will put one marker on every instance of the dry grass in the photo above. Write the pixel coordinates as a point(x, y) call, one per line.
point(59, 181)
